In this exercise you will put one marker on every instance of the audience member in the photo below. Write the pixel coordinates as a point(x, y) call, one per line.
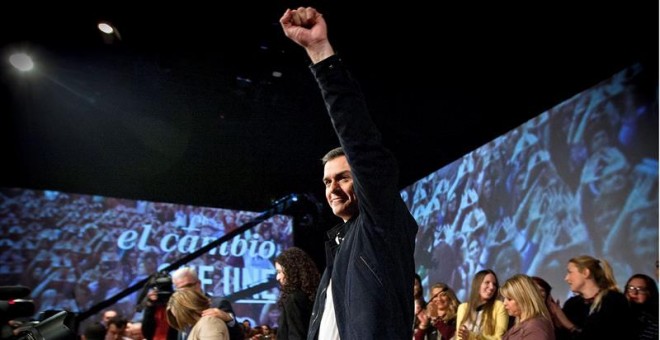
point(545, 289)
point(107, 315)
point(299, 279)
point(523, 301)
point(418, 289)
point(439, 319)
point(116, 328)
point(95, 331)
point(184, 312)
point(483, 315)
point(642, 294)
point(599, 310)
point(248, 331)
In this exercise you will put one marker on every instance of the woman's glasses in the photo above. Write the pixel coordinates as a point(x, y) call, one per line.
point(636, 290)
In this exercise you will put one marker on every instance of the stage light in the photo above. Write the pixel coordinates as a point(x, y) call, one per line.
point(105, 28)
point(21, 62)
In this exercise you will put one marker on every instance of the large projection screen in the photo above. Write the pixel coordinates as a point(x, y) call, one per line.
point(75, 250)
point(580, 178)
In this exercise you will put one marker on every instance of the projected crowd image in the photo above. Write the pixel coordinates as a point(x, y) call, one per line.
point(579, 179)
point(74, 251)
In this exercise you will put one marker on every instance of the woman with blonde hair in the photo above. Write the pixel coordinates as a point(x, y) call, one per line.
point(483, 315)
point(523, 301)
point(599, 310)
point(184, 310)
point(439, 319)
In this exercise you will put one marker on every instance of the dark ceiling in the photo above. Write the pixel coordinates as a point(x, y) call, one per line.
point(184, 108)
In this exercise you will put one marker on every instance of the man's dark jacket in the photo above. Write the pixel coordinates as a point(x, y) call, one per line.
point(372, 270)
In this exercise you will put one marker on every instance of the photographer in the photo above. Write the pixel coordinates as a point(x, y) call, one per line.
point(154, 320)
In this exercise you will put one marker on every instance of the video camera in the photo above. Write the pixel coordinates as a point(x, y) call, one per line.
point(161, 283)
point(52, 328)
point(15, 302)
point(15, 307)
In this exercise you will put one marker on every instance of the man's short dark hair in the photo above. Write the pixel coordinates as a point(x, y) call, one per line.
point(95, 331)
point(332, 154)
point(118, 321)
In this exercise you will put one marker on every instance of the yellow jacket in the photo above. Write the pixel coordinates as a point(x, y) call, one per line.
point(499, 315)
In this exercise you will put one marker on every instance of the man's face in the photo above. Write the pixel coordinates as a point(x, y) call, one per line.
point(339, 192)
point(108, 315)
point(114, 333)
point(187, 281)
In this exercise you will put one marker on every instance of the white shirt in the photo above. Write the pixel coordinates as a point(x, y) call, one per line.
point(328, 329)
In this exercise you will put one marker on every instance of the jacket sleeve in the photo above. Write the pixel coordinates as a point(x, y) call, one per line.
point(148, 323)
point(539, 328)
point(420, 333)
point(374, 168)
point(460, 315)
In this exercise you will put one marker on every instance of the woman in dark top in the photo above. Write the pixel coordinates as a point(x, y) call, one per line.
point(298, 278)
point(642, 294)
point(599, 310)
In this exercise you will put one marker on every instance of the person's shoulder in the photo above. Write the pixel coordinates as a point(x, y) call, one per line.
point(615, 297)
point(615, 294)
point(208, 326)
point(297, 297)
point(463, 306)
point(538, 322)
point(225, 305)
point(298, 293)
point(574, 300)
point(212, 321)
point(537, 325)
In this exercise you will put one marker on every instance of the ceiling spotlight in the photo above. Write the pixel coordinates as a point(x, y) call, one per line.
point(111, 33)
point(105, 28)
point(21, 61)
